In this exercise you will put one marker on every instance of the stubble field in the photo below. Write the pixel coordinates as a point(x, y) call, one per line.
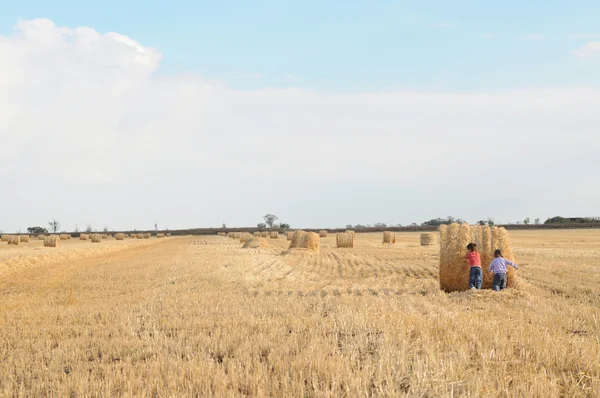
point(200, 316)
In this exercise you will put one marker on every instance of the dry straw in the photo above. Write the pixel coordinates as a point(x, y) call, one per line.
point(24, 238)
point(345, 239)
point(289, 235)
point(322, 234)
point(454, 268)
point(120, 236)
point(428, 239)
point(389, 237)
point(139, 236)
point(256, 233)
point(274, 235)
point(84, 237)
point(96, 238)
point(4, 238)
point(63, 236)
point(264, 234)
point(14, 240)
point(146, 235)
point(51, 241)
point(305, 240)
point(160, 235)
point(256, 243)
point(245, 237)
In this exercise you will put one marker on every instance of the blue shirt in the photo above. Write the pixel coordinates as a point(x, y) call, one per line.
point(498, 265)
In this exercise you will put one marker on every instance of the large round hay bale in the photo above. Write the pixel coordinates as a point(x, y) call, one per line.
point(344, 239)
point(305, 240)
point(322, 234)
point(84, 237)
point(14, 240)
point(51, 241)
point(454, 268)
point(389, 237)
point(120, 236)
point(274, 235)
point(256, 243)
point(245, 237)
point(264, 234)
point(428, 239)
point(24, 238)
point(96, 238)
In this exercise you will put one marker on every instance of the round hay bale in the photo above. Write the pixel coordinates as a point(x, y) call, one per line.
point(257, 234)
point(84, 237)
point(168, 234)
point(306, 240)
point(289, 235)
point(264, 234)
point(4, 238)
point(454, 268)
point(344, 239)
point(120, 236)
point(160, 235)
point(63, 237)
point(274, 235)
point(245, 237)
point(322, 234)
point(139, 236)
point(389, 237)
point(96, 238)
point(146, 235)
point(14, 240)
point(24, 238)
point(256, 243)
point(428, 239)
point(51, 241)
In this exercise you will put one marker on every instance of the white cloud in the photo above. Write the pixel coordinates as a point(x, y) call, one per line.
point(588, 50)
point(533, 36)
point(442, 25)
point(585, 35)
point(89, 133)
point(489, 36)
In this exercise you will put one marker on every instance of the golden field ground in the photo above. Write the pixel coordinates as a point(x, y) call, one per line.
point(200, 316)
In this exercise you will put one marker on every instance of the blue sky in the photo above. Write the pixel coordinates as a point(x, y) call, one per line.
point(325, 113)
point(352, 45)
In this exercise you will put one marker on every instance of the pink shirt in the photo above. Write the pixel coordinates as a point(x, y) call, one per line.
point(474, 259)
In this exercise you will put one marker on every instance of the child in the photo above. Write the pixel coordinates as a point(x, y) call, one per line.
point(498, 268)
point(476, 273)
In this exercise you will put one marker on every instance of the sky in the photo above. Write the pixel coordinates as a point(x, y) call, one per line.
point(194, 114)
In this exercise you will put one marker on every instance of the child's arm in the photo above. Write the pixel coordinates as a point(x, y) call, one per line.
point(515, 266)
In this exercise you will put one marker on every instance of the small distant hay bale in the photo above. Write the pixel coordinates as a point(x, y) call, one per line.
point(322, 234)
point(389, 237)
point(63, 236)
point(84, 237)
point(256, 242)
point(274, 235)
point(428, 239)
point(257, 234)
point(120, 236)
point(169, 234)
point(306, 240)
point(51, 241)
point(14, 240)
point(245, 237)
point(41, 237)
point(289, 235)
point(24, 238)
point(96, 238)
point(139, 236)
point(454, 268)
point(345, 239)
point(264, 234)
point(146, 235)
point(4, 238)
point(160, 235)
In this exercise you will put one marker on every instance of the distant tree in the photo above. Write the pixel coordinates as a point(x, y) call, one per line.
point(526, 221)
point(54, 225)
point(76, 228)
point(414, 224)
point(443, 221)
point(224, 226)
point(261, 226)
point(284, 226)
point(270, 219)
point(105, 228)
point(37, 230)
point(490, 221)
point(359, 226)
point(88, 228)
point(380, 225)
point(481, 222)
point(348, 226)
point(536, 221)
point(155, 226)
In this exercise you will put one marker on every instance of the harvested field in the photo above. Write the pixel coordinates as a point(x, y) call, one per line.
point(200, 316)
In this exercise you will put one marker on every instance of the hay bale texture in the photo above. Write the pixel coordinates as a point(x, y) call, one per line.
point(24, 238)
point(64, 236)
point(14, 240)
point(120, 236)
point(146, 235)
point(289, 235)
point(96, 238)
point(274, 235)
point(428, 239)
point(389, 237)
point(264, 234)
point(4, 238)
point(84, 237)
point(257, 234)
point(139, 236)
point(322, 234)
point(256, 242)
point(245, 237)
point(51, 241)
point(306, 240)
point(454, 268)
point(160, 235)
point(344, 239)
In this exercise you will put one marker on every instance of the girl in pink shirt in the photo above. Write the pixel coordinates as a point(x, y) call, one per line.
point(476, 273)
